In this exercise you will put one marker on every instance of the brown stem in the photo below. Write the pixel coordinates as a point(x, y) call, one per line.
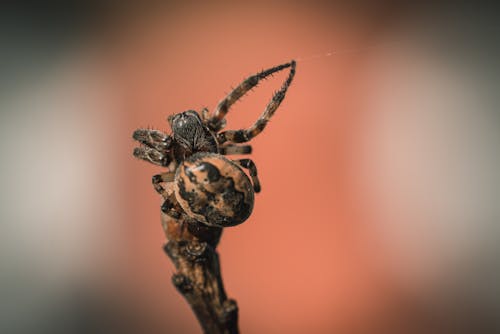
point(192, 248)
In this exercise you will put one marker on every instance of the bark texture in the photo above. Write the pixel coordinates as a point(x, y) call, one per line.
point(192, 248)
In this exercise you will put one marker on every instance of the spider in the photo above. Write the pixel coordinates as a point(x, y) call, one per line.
point(201, 183)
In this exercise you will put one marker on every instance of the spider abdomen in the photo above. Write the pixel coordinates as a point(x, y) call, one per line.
point(214, 190)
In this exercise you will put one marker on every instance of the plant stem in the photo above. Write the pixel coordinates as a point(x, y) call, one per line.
point(192, 248)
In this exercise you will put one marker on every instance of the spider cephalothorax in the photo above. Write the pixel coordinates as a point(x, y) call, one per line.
point(189, 132)
point(206, 186)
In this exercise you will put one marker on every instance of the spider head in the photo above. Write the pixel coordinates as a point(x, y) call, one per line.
point(187, 127)
point(184, 120)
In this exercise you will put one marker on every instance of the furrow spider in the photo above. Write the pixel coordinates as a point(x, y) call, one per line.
point(201, 183)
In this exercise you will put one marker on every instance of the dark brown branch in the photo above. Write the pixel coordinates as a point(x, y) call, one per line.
point(192, 248)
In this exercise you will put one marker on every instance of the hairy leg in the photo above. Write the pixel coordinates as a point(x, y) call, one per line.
point(158, 179)
point(216, 122)
point(170, 208)
point(235, 149)
point(153, 139)
point(250, 165)
point(151, 155)
point(204, 114)
point(244, 135)
point(154, 146)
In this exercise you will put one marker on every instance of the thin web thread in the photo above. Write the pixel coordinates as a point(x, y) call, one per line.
point(345, 51)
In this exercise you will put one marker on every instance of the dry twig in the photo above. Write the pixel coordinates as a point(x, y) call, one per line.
point(192, 248)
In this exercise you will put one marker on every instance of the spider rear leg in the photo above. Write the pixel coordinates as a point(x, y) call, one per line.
point(216, 122)
point(250, 165)
point(172, 208)
point(235, 149)
point(169, 206)
point(244, 135)
point(163, 178)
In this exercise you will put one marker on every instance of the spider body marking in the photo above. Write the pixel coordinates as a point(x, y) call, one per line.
point(201, 184)
point(214, 190)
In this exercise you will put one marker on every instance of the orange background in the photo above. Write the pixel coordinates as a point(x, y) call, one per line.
point(378, 170)
point(302, 261)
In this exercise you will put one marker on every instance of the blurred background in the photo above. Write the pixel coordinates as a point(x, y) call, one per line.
point(380, 204)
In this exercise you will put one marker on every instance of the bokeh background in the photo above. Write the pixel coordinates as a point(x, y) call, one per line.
point(380, 204)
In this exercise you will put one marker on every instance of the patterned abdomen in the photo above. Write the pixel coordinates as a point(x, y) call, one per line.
point(214, 190)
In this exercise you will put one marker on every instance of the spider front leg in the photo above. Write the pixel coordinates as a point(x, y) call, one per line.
point(250, 165)
point(154, 146)
point(151, 155)
point(153, 138)
point(244, 135)
point(216, 122)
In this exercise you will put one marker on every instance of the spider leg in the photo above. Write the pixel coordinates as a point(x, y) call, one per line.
point(151, 155)
point(163, 178)
point(170, 208)
point(154, 146)
point(250, 165)
point(216, 122)
point(244, 135)
point(235, 149)
point(153, 139)
point(204, 114)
